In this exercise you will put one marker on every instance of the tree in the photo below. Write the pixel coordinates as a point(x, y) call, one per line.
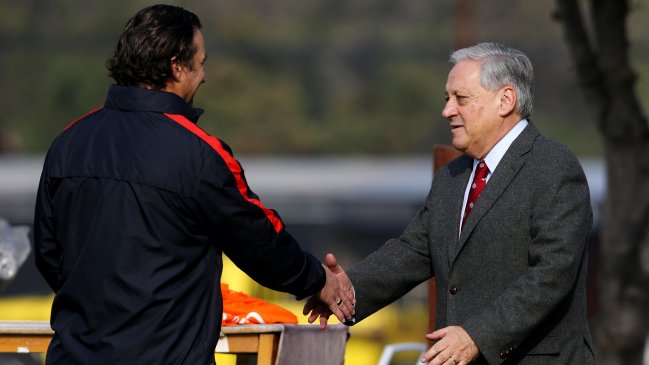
point(601, 56)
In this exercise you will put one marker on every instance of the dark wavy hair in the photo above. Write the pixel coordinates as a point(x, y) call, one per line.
point(149, 41)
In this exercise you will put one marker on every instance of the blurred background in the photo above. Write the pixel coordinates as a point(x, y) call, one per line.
point(332, 107)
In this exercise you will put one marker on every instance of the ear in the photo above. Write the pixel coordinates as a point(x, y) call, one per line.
point(507, 99)
point(177, 69)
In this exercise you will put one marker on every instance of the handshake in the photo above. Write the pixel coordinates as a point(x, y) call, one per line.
point(336, 297)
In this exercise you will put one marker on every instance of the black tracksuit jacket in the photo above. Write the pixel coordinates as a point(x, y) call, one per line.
point(135, 206)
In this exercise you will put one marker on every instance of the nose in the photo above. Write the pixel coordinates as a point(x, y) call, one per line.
point(450, 109)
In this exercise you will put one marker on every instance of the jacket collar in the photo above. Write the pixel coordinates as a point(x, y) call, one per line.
point(137, 99)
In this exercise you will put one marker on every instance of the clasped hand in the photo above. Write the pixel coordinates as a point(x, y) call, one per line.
point(337, 296)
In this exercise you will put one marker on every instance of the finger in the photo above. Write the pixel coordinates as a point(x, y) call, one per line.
point(439, 334)
point(336, 310)
point(317, 312)
point(313, 308)
point(312, 318)
point(442, 358)
point(324, 317)
point(450, 360)
point(310, 304)
point(433, 352)
point(332, 263)
point(342, 310)
point(348, 309)
point(348, 291)
point(307, 307)
point(313, 315)
point(323, 322)
point(345, 310)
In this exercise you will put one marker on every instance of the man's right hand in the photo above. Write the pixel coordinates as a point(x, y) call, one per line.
point(337, 296)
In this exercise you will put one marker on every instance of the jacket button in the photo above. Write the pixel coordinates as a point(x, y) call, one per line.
point(502, 355)
point(453, 290)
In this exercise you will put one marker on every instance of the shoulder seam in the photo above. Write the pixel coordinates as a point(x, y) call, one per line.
point(231, 164)
point(82, 117)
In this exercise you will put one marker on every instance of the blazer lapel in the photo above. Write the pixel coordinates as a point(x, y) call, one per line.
point(459, 171)
point(507, 169)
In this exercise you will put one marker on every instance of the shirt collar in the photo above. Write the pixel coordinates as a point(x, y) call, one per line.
point(137, 99)
point(498, 151)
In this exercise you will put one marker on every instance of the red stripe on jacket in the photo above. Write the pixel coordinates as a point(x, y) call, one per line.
point(83, 116)
point(232, 164)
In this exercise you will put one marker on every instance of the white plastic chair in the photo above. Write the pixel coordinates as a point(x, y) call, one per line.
point(390, 350)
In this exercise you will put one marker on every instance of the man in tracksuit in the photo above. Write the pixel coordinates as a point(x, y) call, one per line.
point(136, 205)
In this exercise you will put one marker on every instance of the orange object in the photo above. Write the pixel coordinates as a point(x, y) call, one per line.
point(240, 308)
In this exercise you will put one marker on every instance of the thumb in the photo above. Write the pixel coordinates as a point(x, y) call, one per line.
point(332, 264)
point(437, 335)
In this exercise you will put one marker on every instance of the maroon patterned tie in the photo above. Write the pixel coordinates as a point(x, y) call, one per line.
point(479, 181)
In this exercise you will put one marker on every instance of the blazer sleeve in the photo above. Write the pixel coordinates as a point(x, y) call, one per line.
point(394, 269)
point(560, 222)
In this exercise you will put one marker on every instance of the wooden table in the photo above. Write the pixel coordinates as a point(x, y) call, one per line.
point(24, 337)
point(275, 344)
point(246, 341)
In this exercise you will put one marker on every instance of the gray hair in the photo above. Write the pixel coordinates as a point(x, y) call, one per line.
point(500, 66)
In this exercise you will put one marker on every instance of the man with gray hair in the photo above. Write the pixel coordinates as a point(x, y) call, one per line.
point(504, 230)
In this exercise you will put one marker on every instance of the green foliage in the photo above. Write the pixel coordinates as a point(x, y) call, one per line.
point(286, 76)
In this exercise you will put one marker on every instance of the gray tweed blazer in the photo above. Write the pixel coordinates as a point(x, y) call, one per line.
point(515, 278)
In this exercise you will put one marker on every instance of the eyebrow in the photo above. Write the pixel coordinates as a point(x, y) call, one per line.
point(458, 92)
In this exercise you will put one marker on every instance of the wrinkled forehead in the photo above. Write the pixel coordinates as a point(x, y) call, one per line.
point(464, 75)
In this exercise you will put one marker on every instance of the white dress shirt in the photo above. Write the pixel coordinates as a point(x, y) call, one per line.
point(493, 159)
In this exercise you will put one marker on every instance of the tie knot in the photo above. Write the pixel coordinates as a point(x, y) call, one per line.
point(481, 170)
